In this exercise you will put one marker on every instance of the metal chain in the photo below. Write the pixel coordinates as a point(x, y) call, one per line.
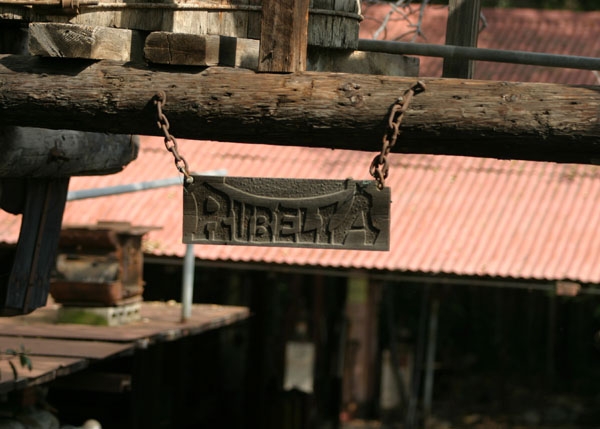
point(380, 166)
point(160, 99)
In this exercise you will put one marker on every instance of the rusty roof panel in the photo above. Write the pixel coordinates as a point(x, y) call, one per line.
point(466, 216)
point(549, 31)
point(456, 215)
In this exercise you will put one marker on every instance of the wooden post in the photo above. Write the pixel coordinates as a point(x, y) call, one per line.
point(430, 358)
point(415, 383)
point(29, 281)
point(266, 353)
point(361, 367)
point(283, 36)
point(329, 336)
point(462, 30)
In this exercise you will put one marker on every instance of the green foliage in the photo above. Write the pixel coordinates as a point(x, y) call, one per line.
point(24, 359)
point(83, 318)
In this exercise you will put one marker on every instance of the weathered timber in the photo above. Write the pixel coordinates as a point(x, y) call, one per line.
point(34, 152)
point(332, 23)
point(209, 50)
point(64, 348)
point(283, 36)
point(462, 30)
point(201, 50)
point(26, 288)
point(535, 121)
point(332, 214)
point(85, 41)
point(163, 324)
point(162, 47)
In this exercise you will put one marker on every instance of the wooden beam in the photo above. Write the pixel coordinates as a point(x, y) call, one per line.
point(85, 41)
point(462, 30)
point(35, 152)
point(183, 49)
point(211, 50)
point(26, 288)
point(283, 36)
point(545, 122)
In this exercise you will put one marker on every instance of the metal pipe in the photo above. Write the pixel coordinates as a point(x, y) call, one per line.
point(187, 285)
point(480, 54)
point(135, 187)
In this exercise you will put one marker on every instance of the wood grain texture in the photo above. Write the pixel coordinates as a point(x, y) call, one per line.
point(35, 152)
point(65, 348)
point(160, 322)
point(194, 49)
point(44, 369)
point(182, 49)
point(283, 36)
point(534, 121)
point(332, 23)
point(26, 288)
point(85, 41)
point(201, 50)
point(462, 30)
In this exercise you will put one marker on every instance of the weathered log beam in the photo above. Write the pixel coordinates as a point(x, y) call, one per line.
point(34, 152)
point(546, 122)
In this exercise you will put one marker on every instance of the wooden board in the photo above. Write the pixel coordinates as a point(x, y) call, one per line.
point(85, 41)
point(182, 49)
point(52, 355)
point(332, 23)
point(335, 214)
point(209, 50)
point(283, 36)
point(160, 322)
point(26, 288)
point(462, 30)
point(44, 369)
point(64, 348)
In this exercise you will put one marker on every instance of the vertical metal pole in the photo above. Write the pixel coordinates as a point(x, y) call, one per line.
point(430, 359)
point(187, 285)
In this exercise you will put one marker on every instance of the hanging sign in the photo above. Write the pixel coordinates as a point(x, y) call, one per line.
point(331, 214)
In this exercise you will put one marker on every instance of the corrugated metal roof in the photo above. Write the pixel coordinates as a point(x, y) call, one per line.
point(466, 216)
point(459, 215)
point(549, 31)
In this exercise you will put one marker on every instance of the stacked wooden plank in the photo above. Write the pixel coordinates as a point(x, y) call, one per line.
point(199, 33)
point(56, 350)
point(333, 23)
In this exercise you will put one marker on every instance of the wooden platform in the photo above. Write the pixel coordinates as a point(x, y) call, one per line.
point(61, 349)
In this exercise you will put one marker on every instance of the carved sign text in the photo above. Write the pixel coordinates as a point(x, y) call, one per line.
point(336, 214)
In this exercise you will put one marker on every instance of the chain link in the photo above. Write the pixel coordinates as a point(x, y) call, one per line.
point(380, 166)
point(160, 99)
